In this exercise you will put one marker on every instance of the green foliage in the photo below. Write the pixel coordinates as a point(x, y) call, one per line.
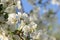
point(1, 7)
point(14, 38)
point(6, 16)
point(50, 12)
point(31, 11)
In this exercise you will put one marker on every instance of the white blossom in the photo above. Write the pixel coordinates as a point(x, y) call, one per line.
point(25, 15)
point(57, 2)
point(4, 1)
point(30, 26)
point(10, 9)
point(21, 25)
point(2, 35)
point(19, 4)
point(26, 28)
point(12, 18)
point(33, 26)
point(20, 14)
point(31, 18)
point(36, 35)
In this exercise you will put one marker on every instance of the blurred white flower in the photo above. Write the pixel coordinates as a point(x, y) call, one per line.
point(19, 4)
point(29, 28)
point(21, 25)
point(12, 27)
point(33, 26)
point(4, 26)
point(2, 35)
point(10, 9)
point(25, 15)
point(36, 35)
point(31, 19)
point(20, 14)
point(56, 2)
point(30, 25)
point(10, 37)
point(3, 1)
point(12, 18)
point(26, 29)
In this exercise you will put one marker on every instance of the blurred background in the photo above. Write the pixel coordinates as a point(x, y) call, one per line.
point(47, 8)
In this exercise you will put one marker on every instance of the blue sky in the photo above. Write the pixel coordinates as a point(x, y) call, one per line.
point(27, 7)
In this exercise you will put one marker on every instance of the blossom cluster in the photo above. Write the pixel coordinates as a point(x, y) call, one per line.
point(20, 26)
